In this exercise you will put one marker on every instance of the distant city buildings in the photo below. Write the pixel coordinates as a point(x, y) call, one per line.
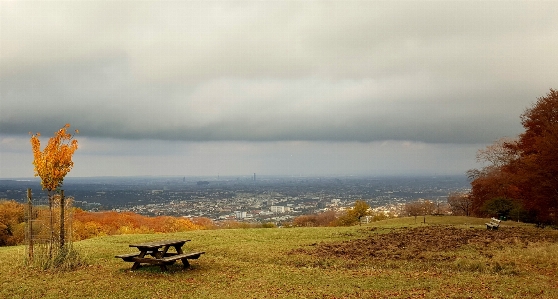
point(265, 200)
point(240, 214)
point(279, 209)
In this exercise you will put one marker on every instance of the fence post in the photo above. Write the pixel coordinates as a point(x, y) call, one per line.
point(62, 208)
point(30, 223)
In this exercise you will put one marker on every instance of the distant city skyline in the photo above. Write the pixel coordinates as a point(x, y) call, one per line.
point(270, 87)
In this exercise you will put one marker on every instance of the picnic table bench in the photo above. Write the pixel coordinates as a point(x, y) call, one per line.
point(493, 224)
point(156, 253)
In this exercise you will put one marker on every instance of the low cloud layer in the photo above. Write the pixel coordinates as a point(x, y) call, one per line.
point(256, 109)
point(102, 157)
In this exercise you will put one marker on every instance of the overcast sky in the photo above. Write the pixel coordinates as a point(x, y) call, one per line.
point(271, 87)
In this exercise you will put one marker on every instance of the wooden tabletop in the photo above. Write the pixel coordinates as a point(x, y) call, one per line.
point(159, 244)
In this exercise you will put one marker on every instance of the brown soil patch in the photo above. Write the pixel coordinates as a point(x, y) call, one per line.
point(430, 242)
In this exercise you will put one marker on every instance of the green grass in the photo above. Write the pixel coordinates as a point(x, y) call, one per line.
point(259, 263)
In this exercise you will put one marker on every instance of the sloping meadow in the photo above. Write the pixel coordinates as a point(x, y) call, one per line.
point(390, 259)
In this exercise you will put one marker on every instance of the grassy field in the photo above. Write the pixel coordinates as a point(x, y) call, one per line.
point(283, 263)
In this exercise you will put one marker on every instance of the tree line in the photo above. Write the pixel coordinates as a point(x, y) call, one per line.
point(83, 225)
point(351, 216)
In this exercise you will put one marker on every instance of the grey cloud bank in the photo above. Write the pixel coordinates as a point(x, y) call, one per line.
point(348, 76)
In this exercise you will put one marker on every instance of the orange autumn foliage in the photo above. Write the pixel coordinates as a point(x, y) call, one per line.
point(55, 161)
point(12, 223)
point(93, 224)
point(323, 219)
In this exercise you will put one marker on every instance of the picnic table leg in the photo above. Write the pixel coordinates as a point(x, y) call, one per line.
point(159, 254)
point(185, 263)
point(137, 264)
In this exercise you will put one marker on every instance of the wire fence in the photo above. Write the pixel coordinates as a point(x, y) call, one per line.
point(48, 229)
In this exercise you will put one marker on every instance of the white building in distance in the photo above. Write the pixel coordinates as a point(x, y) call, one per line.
point(279, 209)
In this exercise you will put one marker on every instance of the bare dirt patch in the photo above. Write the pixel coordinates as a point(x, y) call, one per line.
point(429, 242)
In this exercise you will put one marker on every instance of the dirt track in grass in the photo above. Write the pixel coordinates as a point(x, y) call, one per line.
point(429, 242)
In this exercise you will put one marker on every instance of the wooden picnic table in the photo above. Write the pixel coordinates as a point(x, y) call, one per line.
point(156, 253)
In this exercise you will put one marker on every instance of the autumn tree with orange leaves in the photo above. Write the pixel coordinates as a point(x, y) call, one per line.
point(52, 164)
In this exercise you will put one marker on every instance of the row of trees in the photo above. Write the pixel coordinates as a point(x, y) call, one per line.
point(87, 225)
point(83, 225)
point(458, 204)
point(520, 175)
point(349, 217)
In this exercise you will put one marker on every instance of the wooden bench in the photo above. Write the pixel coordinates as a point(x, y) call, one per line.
point(130, 256)
point(191, 256)
point(169, 260)
point(493, 224)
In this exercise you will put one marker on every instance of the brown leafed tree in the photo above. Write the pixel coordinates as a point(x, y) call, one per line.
point(461, 204)
point(493, 179)
point(420, 208)
point(413, 209)
point(536, 170)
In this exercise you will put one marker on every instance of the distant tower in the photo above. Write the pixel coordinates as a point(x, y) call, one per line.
point(254, 176)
